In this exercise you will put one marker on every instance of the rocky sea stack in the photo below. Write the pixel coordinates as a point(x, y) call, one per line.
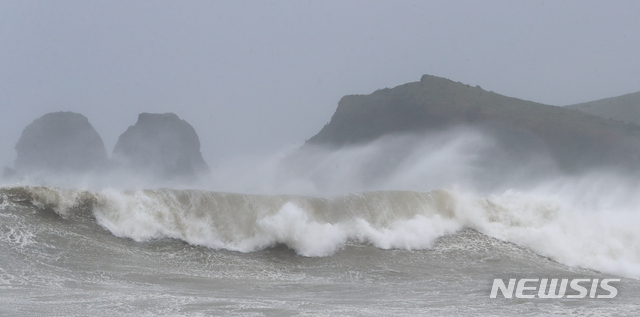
point(162, 147)
point(60, 142)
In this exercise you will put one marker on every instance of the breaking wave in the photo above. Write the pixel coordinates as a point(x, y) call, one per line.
point(312, 226)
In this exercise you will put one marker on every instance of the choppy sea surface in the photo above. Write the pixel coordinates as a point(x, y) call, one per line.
point(72, 252)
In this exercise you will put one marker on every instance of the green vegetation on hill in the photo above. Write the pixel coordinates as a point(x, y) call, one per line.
point(625, 108)
point(575, 139)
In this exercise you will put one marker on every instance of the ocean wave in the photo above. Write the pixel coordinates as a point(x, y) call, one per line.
point(599, 239)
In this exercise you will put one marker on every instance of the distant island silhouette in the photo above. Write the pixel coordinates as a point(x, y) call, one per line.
point(575, 139)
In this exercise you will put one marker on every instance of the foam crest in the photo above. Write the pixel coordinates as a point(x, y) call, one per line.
point(567, 231)
point(563, 220)
point(62, 201)
point(292, 226)
point(311, 226)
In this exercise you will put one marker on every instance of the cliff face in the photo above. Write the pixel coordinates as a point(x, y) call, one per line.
point(60, 142)
point(625, 108)
point(575, 139)
point(162, 146)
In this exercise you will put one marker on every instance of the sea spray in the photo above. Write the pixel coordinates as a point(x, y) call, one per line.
point(560, 226)
point(311, 226)
point(604, 240)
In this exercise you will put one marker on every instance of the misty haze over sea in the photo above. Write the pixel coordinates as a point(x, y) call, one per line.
point(413, 218)
point(198, 159)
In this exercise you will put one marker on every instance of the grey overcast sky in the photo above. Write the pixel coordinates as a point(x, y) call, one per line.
point(254, 76)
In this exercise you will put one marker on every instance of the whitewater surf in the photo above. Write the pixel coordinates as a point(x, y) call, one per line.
point(168, 251)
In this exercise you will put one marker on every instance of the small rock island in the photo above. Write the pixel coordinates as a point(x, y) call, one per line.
point(162, 147)
point(60, 142)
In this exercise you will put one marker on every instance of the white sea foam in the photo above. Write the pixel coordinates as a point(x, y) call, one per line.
point(567, 224)
point(311, 226)
point(602, 239)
